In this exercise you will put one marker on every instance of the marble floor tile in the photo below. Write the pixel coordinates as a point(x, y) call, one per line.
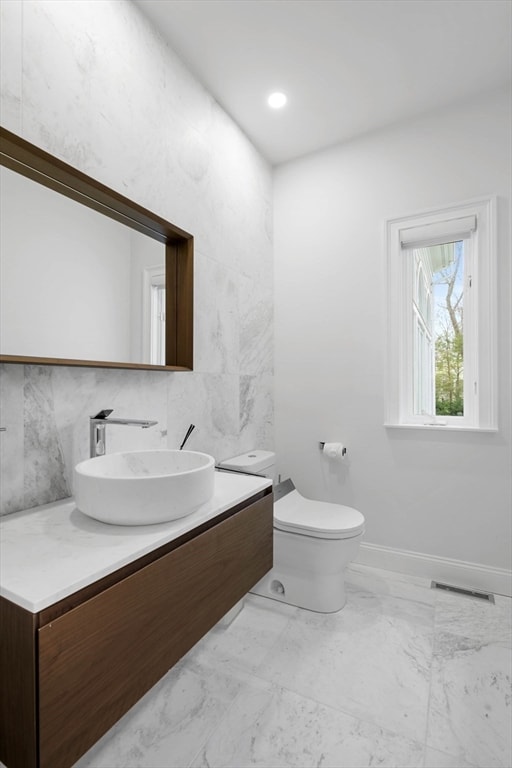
point(371, 660)
point(270, 726)
point(475, 618)
point(362, 608)
point(436, 759)
point(246, 642)
point(374, 580)
point(169, 724)
point(470, 701)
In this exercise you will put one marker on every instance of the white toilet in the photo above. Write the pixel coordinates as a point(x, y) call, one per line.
point(313, 541)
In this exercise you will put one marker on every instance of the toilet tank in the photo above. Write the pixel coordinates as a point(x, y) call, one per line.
point(253, 463)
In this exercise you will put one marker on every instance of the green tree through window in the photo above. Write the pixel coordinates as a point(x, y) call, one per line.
point(448, 291)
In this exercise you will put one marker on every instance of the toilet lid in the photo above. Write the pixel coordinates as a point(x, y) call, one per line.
point(320, 519)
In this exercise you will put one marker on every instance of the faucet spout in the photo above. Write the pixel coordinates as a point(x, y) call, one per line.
point(97, 430)
point(144, 423)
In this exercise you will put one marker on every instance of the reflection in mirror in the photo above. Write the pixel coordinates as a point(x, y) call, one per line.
point(88, 276)
point(75, 283)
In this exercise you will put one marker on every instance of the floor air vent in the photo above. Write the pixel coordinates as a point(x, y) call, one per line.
point(461, 591)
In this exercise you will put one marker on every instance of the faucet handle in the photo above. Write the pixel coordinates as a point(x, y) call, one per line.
point(103, 414)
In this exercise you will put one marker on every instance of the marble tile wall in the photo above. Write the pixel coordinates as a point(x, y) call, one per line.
point(94, 84)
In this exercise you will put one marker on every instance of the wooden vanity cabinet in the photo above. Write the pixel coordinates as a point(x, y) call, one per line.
point(72, 670)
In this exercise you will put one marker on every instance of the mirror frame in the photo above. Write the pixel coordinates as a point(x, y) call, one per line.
point(36, 164)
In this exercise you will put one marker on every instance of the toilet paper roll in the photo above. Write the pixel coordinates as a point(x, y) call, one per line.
point(335, 451)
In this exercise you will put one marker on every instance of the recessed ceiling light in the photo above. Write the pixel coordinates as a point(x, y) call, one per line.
point(277, 100)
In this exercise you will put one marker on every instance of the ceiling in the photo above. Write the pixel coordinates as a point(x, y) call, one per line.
point(347, 66)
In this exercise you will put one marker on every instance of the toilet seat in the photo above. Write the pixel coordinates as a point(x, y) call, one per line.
point(319, 519)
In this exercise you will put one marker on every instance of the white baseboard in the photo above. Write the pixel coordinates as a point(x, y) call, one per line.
point(455, 572)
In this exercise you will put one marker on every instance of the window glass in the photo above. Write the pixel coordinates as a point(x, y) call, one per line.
point(448, 289)
point(438, 331)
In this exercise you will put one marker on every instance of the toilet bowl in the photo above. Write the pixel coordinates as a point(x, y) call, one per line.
point(313, 542)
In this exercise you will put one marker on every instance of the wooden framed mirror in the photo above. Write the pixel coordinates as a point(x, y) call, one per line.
point(88, 277)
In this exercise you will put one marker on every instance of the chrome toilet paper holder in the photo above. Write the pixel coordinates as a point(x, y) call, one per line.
point(321, 447)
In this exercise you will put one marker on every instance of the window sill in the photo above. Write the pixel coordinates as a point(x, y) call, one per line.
point(441, 427)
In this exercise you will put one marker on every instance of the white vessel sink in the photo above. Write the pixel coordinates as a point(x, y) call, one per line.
point(143, 487)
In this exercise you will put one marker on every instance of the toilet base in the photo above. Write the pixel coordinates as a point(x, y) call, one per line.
point(323, 594)
point(308, 572)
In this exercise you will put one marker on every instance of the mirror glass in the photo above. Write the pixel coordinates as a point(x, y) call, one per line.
point(75, 283)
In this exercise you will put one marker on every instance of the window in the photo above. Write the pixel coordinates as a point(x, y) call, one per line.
point(157, 334)
point(441, 296)
point(153, 315)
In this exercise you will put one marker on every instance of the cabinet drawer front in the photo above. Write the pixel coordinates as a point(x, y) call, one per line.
point(18, 680)
point(97, 660)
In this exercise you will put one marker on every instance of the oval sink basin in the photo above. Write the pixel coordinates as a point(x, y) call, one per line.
point(143, 487)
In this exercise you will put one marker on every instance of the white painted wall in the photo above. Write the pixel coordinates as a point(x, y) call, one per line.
point(441, 493)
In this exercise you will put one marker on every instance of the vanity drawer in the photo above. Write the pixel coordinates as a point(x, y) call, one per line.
point(98, 659)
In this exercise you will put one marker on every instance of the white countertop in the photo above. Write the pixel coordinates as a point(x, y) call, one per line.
point(49, 552)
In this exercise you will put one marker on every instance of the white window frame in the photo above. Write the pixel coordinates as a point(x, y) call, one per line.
point(153, 328)
point(480, 328)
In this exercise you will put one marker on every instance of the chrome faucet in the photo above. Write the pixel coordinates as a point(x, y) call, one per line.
point(98, 426)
